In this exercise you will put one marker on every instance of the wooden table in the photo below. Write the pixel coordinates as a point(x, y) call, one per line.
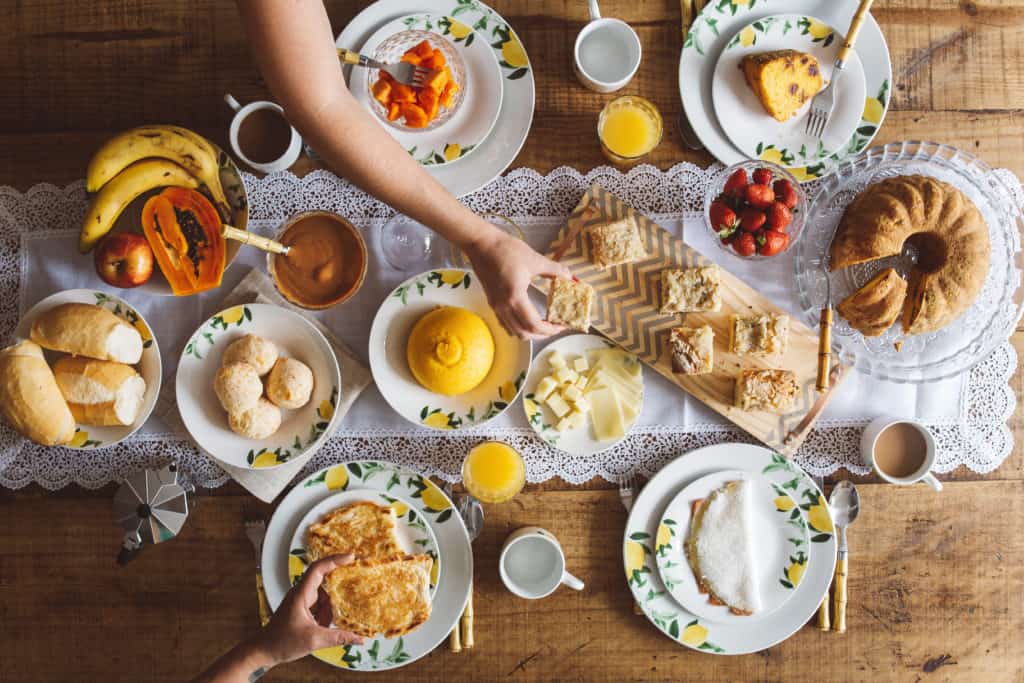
point(937, 581)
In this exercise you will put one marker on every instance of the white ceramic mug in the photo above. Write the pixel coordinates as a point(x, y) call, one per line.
point(607, 53)
point(869, 439)
point(532, 564)
point(283, 162)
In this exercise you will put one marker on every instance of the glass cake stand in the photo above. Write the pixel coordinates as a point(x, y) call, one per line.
point(970, 338)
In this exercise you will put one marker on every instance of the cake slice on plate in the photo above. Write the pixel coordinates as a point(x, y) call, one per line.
point(783, 80)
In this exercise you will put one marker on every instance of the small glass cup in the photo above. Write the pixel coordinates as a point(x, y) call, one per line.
point(405, 243)
point(612, 113)
point(493, 472)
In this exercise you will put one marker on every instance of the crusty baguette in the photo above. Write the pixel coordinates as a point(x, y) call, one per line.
point(30, 400)
point(87, 330)
point(100, 392)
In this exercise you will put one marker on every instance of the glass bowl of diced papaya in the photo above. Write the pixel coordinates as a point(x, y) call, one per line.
point(425, 108)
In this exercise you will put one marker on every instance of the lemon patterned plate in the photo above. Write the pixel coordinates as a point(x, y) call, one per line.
point(430, 505)
point(642, 544)
point(575, 441)
point(389, 336)
point(494, 154)
point(744, 119)
point(415, 537)
point(302, 430)
point(89, 437)
point(780, 545)
point(720, 21)
point(481, 84)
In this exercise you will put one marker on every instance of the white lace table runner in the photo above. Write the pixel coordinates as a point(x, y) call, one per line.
point(38, 232)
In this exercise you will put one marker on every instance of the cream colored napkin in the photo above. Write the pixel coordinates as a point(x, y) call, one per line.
point(266, 484)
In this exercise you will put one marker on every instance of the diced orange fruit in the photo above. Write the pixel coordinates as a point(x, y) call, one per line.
point(418, 106)
point(412, 58)
point(414, 115)
point(423, 49)
point(382, 92)
point(436, 61)
point(402, 93)
point(439, 80)
point(394, 111)
point(448, 95)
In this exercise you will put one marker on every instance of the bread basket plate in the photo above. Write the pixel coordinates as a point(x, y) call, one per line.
point(971, 337)
point(730, 637)
point(744, 119)
point(415, 537)
point(579, 441)
point(302, 430)
point(780, 545)
point(430, 504)
point(478, 104)
point(89, 437)
point(389, 337)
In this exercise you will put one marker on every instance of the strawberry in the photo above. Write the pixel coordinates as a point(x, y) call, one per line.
point(763, 176)
point(772, 242)
point(744, 245)
point(723, 219)
point(736, 184)
point(779, 216)
point(760, 196)
point(751, 220)
point(785, 193)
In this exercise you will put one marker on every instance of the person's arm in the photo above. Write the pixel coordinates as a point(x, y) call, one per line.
point(299, 626)
point(294, 47)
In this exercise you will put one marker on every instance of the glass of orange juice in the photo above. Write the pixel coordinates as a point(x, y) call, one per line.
point(629, 128)
point(493, 472)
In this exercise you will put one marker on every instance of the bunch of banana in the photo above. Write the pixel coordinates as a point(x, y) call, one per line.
point(139, 160)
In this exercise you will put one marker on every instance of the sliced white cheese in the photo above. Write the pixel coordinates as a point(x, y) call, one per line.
point(630, 391)
point(606, 415)
point(580, 364)
point(545, 387)
point(581, 383)
point(577, 419)
point(581, 404)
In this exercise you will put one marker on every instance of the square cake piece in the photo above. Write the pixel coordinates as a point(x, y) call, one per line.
point(765, 389)
point(616, 242)
point(690, 290)
point(569, 303)
point(759, 335)
point(693, 350)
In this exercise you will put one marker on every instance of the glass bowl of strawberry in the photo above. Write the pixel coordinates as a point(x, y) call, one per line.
point(756, 209)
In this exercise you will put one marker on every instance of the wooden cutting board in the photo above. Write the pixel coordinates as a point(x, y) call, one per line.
point(626, 310)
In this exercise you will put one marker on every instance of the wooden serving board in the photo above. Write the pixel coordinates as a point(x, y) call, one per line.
point(626, 310)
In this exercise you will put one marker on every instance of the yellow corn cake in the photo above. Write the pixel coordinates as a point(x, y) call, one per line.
point(783, 80)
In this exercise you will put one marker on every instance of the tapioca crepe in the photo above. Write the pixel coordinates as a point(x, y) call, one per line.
point(720, 547)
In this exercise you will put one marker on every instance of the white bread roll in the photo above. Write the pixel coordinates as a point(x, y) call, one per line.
point(238, 387)
point(259, 422)
point(290, 383)
point(256, 351)
point(100, 392)
point(30, 399)
point(87, 330)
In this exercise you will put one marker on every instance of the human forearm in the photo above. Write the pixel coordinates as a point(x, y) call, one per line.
point(246, 662)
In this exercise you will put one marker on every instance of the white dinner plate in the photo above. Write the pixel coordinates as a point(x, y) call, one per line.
point(389, 336)
point(641, 542)
point(780, 541)
point(720, 20)
point(302, 430)
point(89, 437)
point(575, 441)
point(492, 156)
point(482, 91)
point(453, 544)
point(415, 537)
point(744, 119)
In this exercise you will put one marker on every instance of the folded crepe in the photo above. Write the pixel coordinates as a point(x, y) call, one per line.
point(364, 529)
point(720, 544)
point(389, 596)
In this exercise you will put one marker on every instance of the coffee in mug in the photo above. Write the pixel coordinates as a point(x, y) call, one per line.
point(900, 451)
point(264, 135)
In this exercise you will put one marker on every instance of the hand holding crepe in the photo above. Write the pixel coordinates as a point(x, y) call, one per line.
point(87, 330)
point(30, 399)
point(301, 623)
point(100, 392)
point(719, 547)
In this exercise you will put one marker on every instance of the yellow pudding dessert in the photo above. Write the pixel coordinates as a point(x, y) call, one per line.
point(450, 350)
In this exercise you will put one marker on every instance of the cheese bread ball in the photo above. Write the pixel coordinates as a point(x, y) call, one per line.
point(256, 351)
point(258, 422)
point(290, 383)
point(238, 387)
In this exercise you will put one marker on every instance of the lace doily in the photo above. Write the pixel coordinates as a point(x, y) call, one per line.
point(977, 438)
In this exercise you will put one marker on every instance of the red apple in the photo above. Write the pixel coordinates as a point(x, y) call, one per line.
point(124, 259)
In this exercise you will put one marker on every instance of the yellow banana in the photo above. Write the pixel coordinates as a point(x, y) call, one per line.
point(124, 187)
point(189, 150)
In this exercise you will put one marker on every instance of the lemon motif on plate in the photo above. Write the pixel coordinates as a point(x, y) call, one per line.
point(818, 517)
point(336, 478)
point(513, 53)
point(79, 439)
point(694, 635)
point(635, 553)
point(784, 503)
point(873, 110)
point(433, 498)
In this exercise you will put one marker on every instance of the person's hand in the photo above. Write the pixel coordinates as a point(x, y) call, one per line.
point(301, 624)
point(506, 266)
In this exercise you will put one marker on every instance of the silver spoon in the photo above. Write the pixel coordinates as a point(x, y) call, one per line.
point(845, 504)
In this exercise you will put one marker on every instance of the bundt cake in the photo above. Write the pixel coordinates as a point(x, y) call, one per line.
point(873, 308)
point(941, 223)
point(782, 79)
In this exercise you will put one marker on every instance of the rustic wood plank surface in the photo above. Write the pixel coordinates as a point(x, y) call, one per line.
point(936, 580)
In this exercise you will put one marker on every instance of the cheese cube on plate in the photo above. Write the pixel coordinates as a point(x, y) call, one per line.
point(545, 387)
point(558, 405)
